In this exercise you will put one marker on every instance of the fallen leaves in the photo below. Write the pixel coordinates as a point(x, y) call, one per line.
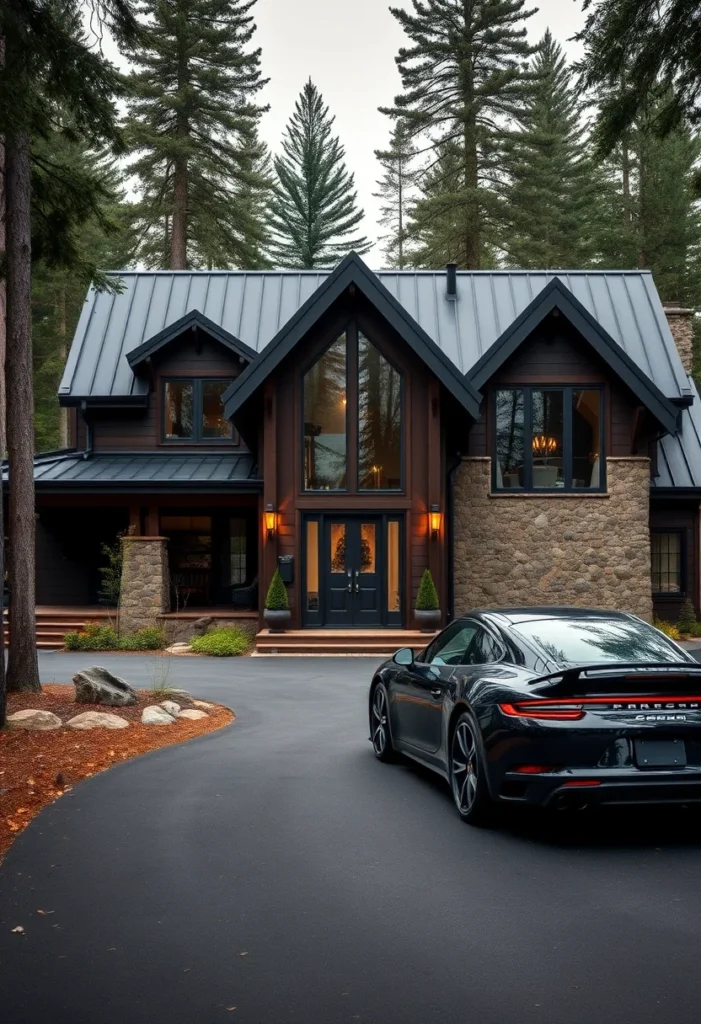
point(39, 767)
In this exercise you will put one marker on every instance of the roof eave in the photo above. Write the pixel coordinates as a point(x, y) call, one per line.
point(193, 319)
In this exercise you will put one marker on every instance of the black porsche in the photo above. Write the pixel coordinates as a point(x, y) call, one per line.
point(554, 707)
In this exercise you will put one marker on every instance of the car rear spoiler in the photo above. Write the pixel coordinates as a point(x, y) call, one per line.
point(656, 678)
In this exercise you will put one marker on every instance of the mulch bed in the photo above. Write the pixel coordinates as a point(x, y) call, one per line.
point(38, 767)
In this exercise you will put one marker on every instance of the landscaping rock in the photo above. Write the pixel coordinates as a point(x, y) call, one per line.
point(200, 626)
point(203, 704)
point(98, 686)
point(34, 720)
point(97, 720)
point(181, 648)
point(180, 693)
point(193, 714)
point(154, 715)
point(171, 707)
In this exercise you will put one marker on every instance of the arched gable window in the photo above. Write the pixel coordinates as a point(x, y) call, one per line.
point(353, 418)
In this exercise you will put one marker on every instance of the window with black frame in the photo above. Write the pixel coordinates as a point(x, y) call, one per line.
point(666, 553)
point(193, 411)
point(548, 439)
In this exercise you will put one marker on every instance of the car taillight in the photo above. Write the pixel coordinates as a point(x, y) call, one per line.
point(534, 769)
point(566, 711)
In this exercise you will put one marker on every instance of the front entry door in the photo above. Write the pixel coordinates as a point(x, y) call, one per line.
point(354, 555)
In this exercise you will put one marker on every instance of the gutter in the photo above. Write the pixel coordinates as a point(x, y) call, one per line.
point(451, 536)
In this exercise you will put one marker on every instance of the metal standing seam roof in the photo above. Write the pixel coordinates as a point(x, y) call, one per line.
point(179, 470)
point(254, 305)
point(679, 454)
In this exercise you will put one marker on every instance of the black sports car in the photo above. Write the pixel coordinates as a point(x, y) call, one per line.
point(555, 707)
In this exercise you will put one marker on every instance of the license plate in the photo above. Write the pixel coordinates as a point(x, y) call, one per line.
point(660, 753)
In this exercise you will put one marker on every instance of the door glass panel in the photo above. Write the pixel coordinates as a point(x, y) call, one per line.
point(547, 440)
point(367, 547)
point(393, 566)
point(325, 420)
point(237, 551)
point(586, 438)
point(312, 566)
point(379, 420)
point(338, 547)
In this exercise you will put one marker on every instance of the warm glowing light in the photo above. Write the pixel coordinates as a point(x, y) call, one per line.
point(434, 520)
point(543, 445)
point(270, 519)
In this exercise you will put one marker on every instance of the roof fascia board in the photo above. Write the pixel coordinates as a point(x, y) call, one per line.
point(556, 295)
point(252, 486)
point(104, 401)
point(351, 270)
point(193, 318)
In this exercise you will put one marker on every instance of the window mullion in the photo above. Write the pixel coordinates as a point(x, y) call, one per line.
point(528, 439)
point(567, 438)
point(352, 408)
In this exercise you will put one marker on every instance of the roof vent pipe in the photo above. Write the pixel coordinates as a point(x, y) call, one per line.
point(451, 288)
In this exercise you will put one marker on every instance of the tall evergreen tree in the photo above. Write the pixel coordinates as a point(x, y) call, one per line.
point(463, 82)
point(314, 208)
point(191, 127)
point(551, 182)
point(395, 194)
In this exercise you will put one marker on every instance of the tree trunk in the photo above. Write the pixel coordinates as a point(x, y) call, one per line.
point(3, 696)
point(22, 668)
point(178, 244)
point(473, 248)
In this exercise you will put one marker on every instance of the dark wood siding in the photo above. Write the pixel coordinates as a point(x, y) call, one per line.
point(140, 430)
point(682, 516)
point(68, 543)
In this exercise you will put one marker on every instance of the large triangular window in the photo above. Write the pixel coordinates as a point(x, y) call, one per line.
point(353, 409)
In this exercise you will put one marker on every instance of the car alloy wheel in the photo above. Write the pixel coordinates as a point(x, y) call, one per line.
point(467, 780)
point(379, 724)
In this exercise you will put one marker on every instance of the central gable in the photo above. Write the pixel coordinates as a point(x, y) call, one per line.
point(351, 274)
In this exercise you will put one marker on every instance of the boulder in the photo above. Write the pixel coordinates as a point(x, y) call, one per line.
point(171, 707)
point(181, 648)
point(193, 714)
point(200, 626)
point(34, 719)
point(98, 686)
point(179, 693)
point(154, 715)
point(203, 704)
point(97, 720)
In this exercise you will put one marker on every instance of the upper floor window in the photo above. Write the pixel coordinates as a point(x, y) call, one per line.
point(353, 409)
point(193, 411)
point(548, 439)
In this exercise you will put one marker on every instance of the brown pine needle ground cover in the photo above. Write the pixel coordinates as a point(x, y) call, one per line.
point(38, 767)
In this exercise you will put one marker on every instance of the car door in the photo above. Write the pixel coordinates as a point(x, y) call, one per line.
point(420, 689)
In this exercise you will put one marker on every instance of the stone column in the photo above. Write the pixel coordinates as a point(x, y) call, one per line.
point(145, 582)
point(681, 324)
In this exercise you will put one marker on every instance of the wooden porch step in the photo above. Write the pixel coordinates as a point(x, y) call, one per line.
point(340, 641)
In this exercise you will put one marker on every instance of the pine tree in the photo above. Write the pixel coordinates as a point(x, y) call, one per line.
point(191, 127)
point(551, 181)
point(314, 208)
point(394, 192)
point(463, 82)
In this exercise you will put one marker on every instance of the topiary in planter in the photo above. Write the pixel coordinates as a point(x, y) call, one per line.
point(277, 608)
point(428, 613)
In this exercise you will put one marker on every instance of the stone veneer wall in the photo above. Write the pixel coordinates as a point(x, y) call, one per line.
point(591, 551)
point(681, 324)
point(145, 582)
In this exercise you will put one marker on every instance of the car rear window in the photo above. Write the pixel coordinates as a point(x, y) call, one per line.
point(582, 641)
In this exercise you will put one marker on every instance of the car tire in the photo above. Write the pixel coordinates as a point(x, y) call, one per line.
point(468, 776)
point(380, 735)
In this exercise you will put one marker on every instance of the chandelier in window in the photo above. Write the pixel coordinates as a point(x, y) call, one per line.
point(544, 445)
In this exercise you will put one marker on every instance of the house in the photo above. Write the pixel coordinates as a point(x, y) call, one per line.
point(529, 437)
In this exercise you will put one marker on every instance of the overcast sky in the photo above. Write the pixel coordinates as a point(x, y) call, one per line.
point(348, 48)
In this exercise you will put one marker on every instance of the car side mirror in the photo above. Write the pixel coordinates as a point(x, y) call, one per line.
point(405, 657)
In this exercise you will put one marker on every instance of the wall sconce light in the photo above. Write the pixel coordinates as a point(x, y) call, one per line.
point(270, 520)
point(434, 518)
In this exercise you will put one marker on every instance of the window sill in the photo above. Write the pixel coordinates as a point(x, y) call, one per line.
point(558, 495)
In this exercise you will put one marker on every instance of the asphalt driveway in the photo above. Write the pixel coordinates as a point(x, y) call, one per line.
point(277, 868)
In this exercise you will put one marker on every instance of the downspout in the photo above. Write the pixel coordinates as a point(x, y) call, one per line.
point(451, 536)
point(88, 431)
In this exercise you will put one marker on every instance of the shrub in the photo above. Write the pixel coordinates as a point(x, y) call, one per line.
point(222, 643)
point(276, 601)
point(427, 596)
point(695, 629)
point(687, 618)
point(669, 629)
point(93, 637)
point(150, 638)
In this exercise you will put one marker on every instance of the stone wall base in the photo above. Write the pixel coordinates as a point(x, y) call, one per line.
point(145, 592)
point(586, 551)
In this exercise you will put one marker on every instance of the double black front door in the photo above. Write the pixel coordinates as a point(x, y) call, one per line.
point(353, 571)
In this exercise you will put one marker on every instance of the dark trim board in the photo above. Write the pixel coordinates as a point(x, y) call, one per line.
point(351, 272)
point(556, 296)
